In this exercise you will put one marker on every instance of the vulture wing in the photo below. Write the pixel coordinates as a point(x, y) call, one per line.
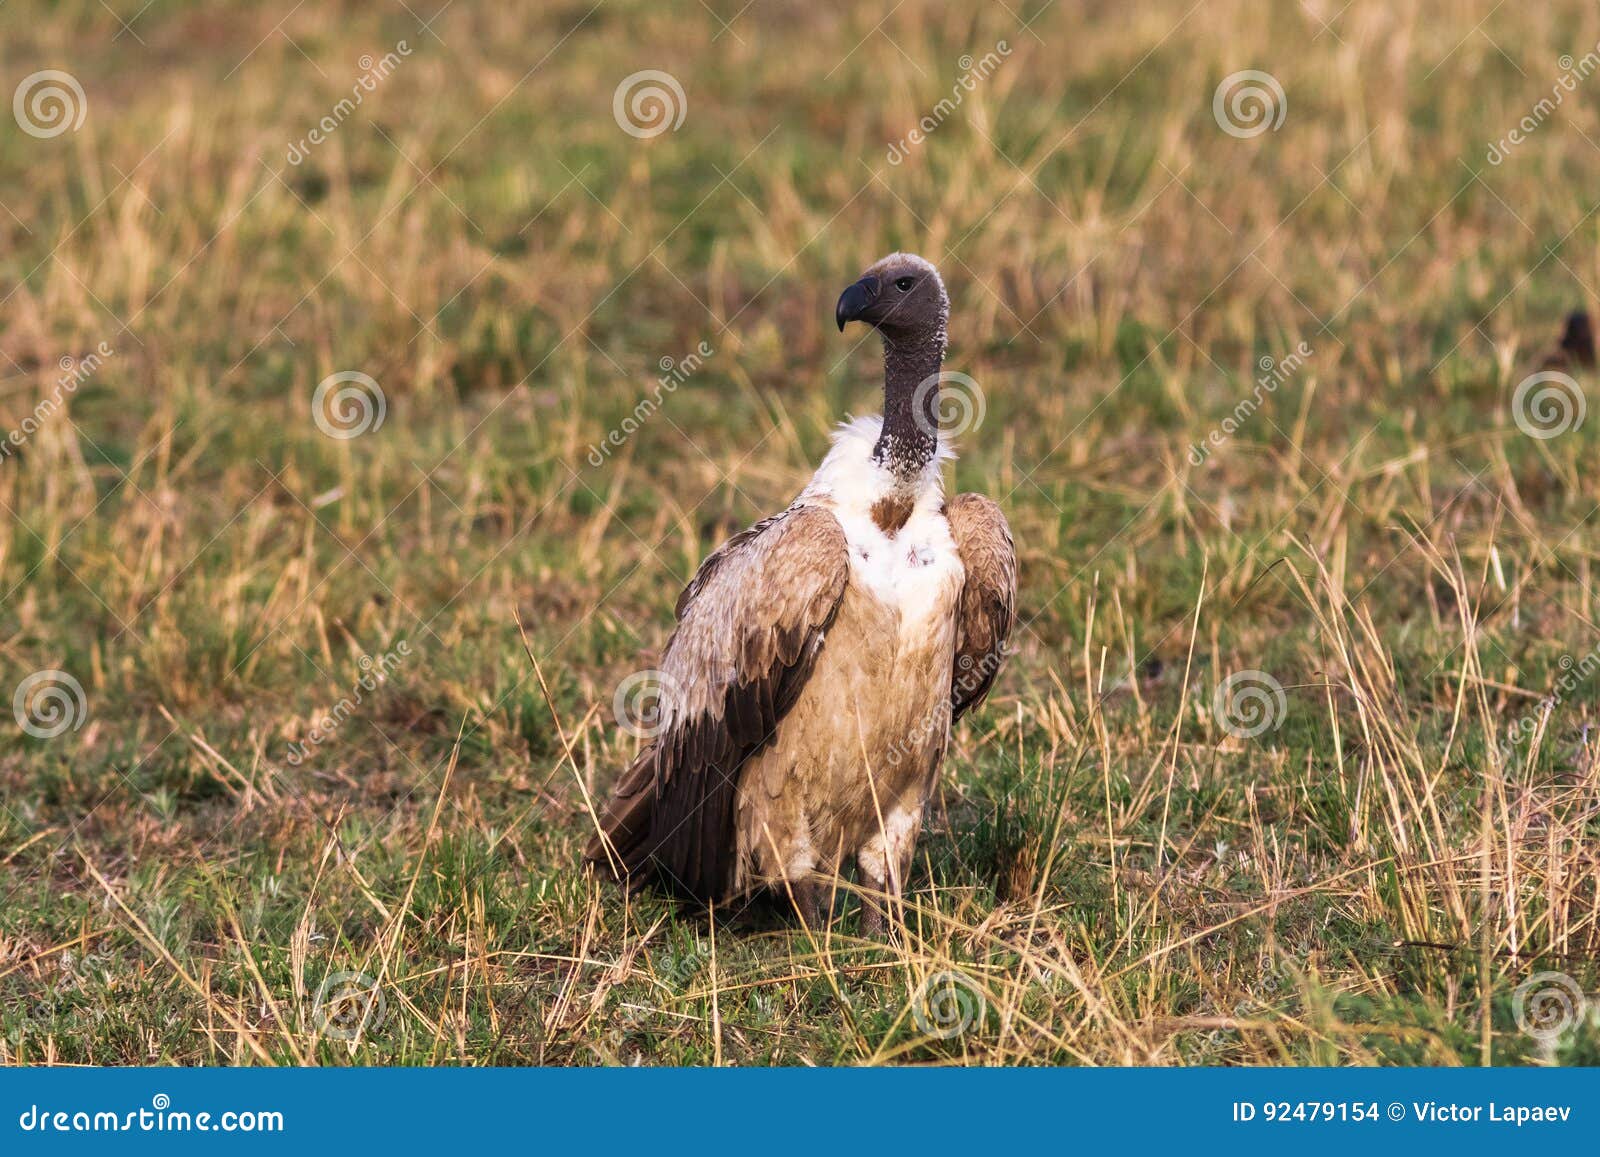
point(750, 627)
point(988, 599)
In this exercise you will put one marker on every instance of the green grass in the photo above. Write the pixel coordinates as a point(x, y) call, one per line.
point(1367, 881)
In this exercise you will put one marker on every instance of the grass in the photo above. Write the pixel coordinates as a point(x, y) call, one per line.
point(1113, 875)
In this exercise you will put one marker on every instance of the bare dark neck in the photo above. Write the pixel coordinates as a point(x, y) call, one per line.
point(911, 365)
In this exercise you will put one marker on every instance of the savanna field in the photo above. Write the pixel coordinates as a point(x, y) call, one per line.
point(373, 377)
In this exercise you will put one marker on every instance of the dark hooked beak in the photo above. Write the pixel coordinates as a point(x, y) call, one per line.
point(855, 301)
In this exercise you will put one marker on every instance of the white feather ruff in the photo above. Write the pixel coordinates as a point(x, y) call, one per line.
point(917, 568)
point(850, 478)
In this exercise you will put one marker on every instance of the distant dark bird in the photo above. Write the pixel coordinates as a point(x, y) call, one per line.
point(822, 655)
point(1576, 350)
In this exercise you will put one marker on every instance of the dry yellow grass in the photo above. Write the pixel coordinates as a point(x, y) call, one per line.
point(1115, 877)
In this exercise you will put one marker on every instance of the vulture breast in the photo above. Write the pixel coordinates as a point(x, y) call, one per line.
point(856, 756)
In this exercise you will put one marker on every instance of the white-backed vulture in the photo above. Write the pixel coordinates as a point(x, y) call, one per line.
point(821, 656)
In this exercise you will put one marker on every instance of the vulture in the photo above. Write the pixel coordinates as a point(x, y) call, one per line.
point(821, 656)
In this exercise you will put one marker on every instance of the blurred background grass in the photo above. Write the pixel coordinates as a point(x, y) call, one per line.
point(1119, 877)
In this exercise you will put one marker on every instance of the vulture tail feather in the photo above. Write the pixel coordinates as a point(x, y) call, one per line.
point(622, 847)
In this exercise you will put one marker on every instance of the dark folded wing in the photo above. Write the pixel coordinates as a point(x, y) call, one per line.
point(988, 598)
point(751, 625)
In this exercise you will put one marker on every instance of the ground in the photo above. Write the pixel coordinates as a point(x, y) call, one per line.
point(1293, 762)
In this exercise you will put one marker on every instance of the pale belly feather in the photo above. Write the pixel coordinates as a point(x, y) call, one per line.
point(855, 759)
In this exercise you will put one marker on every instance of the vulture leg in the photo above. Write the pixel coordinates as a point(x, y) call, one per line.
point(814, 898)
point(883, 882)
point(874, 920)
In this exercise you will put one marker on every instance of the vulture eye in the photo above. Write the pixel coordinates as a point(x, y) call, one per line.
point(903, 283)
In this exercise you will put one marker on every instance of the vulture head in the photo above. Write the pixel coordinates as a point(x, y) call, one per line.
point(901, 296)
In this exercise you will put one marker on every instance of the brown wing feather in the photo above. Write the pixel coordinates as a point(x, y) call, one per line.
point(751, 624)
point(988, 598)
